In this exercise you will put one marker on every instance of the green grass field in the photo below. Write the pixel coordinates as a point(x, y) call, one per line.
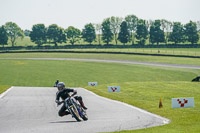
point(141, 86)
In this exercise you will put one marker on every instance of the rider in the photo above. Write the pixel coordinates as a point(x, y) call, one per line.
point(56, 83)
point(64, 93)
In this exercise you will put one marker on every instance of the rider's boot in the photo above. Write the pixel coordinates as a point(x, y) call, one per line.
point(66, 113)
point(82, 104)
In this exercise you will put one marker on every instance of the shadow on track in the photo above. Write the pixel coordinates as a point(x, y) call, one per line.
point(63, 122)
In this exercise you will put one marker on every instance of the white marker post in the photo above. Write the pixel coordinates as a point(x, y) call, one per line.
point(113, 88)
point(92, 83)
point(182, 102)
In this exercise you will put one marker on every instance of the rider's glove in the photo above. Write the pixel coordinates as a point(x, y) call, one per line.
point(75, 92)
point(59, 103)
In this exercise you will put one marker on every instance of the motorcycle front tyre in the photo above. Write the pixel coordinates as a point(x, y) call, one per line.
point(85, 117)
point(75, 114)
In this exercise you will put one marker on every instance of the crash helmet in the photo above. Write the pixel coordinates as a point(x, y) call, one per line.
point(61, 86)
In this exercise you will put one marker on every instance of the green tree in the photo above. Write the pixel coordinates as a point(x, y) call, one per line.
point(191, 32)
point(88, 33)
point(177, 34)
point(124, 34)
point(3, 36)
point(73, 34)
point(98, 32)
point(107, 35)
point(156, 34)
point(56, 34)
point(132, 25)
point(167, 28)
point(115, 26)
point(142, 32)
point(198, 26)
point(27, 32)
point(149, 23)
point(38, 34)
point(13, 32)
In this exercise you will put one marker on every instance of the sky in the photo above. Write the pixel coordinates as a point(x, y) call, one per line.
point(78, 13)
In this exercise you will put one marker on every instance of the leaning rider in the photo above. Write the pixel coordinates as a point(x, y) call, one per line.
point(64, 93)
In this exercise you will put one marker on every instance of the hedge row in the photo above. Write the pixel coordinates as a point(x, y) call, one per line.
point(102, 46)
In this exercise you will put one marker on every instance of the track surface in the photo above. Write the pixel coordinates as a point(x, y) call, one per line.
point(118, 61)
point(32, 109)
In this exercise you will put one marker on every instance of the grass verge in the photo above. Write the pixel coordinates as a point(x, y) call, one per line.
point(4, 88)
point(146, 95)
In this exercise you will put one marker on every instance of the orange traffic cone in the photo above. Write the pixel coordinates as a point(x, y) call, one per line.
point(160, 104)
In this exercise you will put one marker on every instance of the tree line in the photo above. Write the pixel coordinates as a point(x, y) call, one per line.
point(128, 29)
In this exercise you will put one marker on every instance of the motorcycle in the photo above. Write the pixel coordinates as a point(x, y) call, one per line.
point(75, 109)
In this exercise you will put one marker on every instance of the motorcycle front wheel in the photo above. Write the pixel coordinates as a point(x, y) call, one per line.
point(75, 113)
point(85, 117)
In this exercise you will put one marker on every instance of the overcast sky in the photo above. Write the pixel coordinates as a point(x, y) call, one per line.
point(77, 13)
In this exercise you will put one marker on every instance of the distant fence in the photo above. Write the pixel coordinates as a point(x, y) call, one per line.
point(98, 52)
point(101, 46)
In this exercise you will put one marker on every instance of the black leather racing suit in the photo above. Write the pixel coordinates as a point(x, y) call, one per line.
point(63, 94)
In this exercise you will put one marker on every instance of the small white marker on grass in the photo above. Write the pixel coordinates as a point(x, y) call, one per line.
point(113, 88)
point(182, 102)
point(92, 83)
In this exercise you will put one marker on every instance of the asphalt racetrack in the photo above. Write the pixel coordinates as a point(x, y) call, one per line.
point(33, 110)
